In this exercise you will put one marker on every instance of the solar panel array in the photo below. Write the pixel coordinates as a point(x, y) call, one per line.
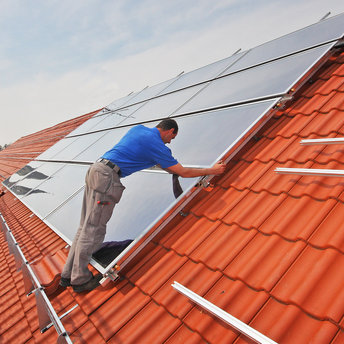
point(215, 106)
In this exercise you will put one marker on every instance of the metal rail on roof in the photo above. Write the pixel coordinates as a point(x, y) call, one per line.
point(313, 171)
point(45, 310)
point(310, 172)
point(153, 169)
point(240, 326)
point(175, 115)
point(327, 141)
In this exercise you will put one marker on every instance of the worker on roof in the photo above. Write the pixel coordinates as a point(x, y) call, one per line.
point(140, 148)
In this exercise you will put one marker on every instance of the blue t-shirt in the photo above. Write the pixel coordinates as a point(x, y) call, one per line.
point(140, 148)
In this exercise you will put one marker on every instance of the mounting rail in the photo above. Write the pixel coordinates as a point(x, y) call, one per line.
point(45, 310)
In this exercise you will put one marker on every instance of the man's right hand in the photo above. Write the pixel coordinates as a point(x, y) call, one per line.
point(218, 168)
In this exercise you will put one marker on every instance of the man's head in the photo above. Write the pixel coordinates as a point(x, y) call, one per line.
point(168, 129)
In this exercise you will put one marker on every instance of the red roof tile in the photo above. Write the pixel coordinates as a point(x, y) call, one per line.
point(111, 317)
point(264, 261)
point(184, 335)
point(235, 298)
point(330, 232)
point(153, 325)
point(195, 276)
point(222, 246)
point(306, 284)
point(289, 324)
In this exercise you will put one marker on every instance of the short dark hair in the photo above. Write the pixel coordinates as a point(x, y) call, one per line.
point(167, 124)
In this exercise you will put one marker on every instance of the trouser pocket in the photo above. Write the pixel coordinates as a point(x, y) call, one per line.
point(99, 178)
point(106, 192)
point(103, 205)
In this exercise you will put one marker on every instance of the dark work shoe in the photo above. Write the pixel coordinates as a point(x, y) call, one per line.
point(90, 285)
point(65, 282)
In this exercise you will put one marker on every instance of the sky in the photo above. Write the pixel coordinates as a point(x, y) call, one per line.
point(61, 59)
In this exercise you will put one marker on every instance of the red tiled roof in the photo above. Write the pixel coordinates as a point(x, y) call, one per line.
point(267, 248)
point(18, 314)
point(22, 151)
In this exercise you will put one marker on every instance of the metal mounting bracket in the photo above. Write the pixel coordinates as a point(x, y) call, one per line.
point(110, 275)
point(240, 326)
point(60, 317)
point(205, 183)
point(283, 101)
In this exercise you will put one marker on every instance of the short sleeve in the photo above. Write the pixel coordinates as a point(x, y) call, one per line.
point(164, 157)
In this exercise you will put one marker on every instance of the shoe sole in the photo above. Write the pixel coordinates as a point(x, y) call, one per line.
point(76, 290)
point(65, 282)
point(80, 289)
point(64, 285)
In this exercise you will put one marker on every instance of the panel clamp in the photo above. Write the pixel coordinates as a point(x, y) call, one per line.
point(111, 274)
point(284, 100)
point(205, 183)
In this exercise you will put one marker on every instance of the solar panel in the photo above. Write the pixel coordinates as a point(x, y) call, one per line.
point(269, 79)
point(77, 146)
point(150, 92)
point(122, 101)
point(328, 30)
point(31, 182)
point(94, 121)
point(275, 77)
point(198, 143)
point(91, 146)
point(21, 174)
point(203, 74)
point(56, 148)
point(203, 138)
point(56, 188)
point(163, 106)
point(322, 32)
point(112, 120)
point(132, 214)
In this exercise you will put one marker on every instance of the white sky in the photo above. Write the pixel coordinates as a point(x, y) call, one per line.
point(60, 59)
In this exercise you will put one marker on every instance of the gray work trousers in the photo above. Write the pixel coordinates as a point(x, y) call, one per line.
point(103, 191)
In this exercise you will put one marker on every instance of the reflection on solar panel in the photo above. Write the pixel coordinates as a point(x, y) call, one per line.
point(269, 79)
point(218, 109)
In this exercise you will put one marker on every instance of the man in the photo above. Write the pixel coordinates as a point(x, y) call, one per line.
point(140, 148)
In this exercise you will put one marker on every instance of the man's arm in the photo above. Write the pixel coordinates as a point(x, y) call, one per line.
point(191, 172)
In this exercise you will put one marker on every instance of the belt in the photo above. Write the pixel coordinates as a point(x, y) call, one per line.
point(111, 165)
